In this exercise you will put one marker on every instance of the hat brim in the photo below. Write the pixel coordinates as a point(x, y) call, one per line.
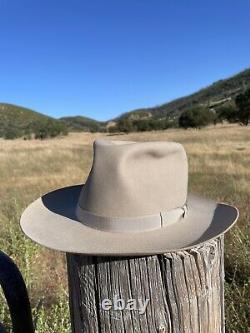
point(51, 222)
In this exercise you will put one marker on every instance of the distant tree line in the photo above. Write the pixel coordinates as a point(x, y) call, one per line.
point(195, 117)
point(127, 125)
point(199, 117)
point(49, 129)
point(41, 129)
point(239, 111)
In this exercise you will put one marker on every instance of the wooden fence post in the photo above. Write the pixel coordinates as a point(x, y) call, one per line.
point(185, 291)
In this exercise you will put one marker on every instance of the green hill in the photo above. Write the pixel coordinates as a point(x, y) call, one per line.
point(80, 123)
point(17, 121)
point(217, 94)
point(22, 121)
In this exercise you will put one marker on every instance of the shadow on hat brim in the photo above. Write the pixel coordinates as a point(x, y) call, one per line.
point(51, 222)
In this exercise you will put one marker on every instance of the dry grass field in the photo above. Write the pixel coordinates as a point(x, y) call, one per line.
point(219, 168)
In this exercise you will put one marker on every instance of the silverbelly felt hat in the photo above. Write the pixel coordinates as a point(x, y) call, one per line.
point(135, 202)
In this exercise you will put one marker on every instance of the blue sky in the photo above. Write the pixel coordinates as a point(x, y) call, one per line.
point(101, 58)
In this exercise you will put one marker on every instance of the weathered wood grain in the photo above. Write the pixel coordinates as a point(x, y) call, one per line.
point(185, 290)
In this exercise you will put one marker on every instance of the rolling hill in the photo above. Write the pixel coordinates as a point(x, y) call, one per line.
point(20, 119)
point(223, 91)
point(80, 123)
point(214, 95)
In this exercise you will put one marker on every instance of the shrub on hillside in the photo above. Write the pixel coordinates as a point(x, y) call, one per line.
point(228, 113)
point(152, 124)
point(11, 133)
point(243, 104)
point(112, 129)
point(94, 128)
point(49, 129)
point(127, 125)
point(196, 118)
point(39, 130)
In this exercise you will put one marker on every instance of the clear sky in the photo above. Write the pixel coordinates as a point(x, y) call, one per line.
point(100, 58)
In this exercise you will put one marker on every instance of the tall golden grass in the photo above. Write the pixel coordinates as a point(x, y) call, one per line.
point(219, 160)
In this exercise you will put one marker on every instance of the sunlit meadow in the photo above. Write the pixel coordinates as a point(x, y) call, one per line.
point(219, 168)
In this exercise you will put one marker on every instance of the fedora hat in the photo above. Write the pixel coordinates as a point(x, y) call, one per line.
point(135, 202)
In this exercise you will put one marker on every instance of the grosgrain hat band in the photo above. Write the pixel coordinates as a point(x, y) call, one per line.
point(131, 224)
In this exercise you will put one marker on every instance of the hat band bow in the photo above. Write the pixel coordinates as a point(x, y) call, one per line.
point(131, 224)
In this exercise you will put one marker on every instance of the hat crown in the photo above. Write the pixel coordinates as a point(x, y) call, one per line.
point(130, 179)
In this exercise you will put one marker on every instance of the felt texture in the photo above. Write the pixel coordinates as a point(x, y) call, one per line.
point(134, 202)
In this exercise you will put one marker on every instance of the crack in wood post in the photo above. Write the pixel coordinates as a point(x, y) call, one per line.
point(185, 291)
